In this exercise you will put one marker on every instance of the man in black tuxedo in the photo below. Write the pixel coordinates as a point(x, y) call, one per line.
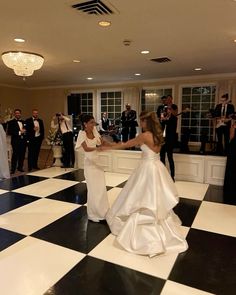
point(35, 136)
point(16, 129)
point(104, 123)
point(129, 123)
point(222, 113)
point(169, 125)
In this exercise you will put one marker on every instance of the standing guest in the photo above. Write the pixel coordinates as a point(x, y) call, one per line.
point(16, 129)
point(129, 123)
point(222, 113)
point(97, 200)
point(4, 165)
point(230, 170)
point(63, 123)
point(142, 217)
point(169, 125)
point(35, 136)
point(104, 123)
point(161, 110)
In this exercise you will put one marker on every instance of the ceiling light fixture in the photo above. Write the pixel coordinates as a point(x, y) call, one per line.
point(137, 74)
point(197, 69)
point(104, 23)
point(89, 78)
point(23, 63)
point(19, 40)
point(76, 60)
point(145, 51)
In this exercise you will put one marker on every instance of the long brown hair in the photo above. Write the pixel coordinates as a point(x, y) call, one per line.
point(153, 125)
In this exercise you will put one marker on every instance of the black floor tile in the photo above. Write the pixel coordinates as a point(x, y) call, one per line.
point(121, 185)
point(209, 264)
point(8, 238)
point(19, 181)
point(75, 194)
point(215, 194)
point(74, 231)
point(11, 200)
point(94, 276)
point(77, 175)
point(187, 210)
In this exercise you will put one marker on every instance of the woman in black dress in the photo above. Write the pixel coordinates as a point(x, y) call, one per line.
point(230, 170)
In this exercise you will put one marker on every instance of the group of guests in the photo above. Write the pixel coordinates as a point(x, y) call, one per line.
point(25, 133)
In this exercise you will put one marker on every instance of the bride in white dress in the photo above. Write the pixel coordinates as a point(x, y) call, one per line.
point(89, 139)
point(142, 217)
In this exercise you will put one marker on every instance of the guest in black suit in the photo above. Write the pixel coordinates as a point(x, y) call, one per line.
point(16, 129)
point(129, 123)
point(104, 124)
point(35, 136)
point(162, 108)
point(222, 113)
point(169, 125)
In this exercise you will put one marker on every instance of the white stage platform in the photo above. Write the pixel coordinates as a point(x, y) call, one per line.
point(188, 167)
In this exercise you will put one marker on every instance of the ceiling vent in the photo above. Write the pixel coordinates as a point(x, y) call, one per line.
point(161, 59)
point(96, 7)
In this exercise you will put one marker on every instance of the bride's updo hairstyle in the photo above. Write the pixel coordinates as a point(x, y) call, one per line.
point(84, 118)
point(153, 125)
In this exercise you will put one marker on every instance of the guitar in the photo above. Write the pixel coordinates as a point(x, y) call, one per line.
point(221, 121)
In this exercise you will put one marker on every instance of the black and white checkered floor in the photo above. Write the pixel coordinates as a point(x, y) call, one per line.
point(48, 246)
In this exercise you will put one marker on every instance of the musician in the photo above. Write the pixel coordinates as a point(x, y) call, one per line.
point(104, 123)
point(129, 123)
point(222, 113)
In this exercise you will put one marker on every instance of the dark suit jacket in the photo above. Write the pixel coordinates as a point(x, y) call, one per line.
point(30, 128)
point(13, 130)
point(171, 126)
point(229, 111)
point(129, 120)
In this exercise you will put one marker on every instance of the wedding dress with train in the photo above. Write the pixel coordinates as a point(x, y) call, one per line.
point(97, 200)
point(142, 217)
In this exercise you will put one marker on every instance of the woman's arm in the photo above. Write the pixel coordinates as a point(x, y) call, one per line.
point(139, 140)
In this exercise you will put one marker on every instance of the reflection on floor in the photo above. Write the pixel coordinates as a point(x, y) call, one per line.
point(48, 246)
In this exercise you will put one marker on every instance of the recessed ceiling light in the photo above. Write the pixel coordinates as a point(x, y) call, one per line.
point(76, 60)
point(145, 51)
point(89, 78)
point(235, 39)
point(19, 40)
point(104, 23)
point(197, 69)
point(137, 74)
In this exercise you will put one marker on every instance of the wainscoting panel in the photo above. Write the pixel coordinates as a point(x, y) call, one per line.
point(215, 170)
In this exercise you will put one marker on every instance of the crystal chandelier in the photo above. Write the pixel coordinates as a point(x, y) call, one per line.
point(23, 63)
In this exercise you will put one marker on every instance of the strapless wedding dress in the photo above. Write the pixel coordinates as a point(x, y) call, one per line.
point(142, 217)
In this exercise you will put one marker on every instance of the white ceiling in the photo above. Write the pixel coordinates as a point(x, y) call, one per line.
point(192, 33)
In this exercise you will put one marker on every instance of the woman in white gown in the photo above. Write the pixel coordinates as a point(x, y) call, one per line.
point(4, 165)
point(142, 217)
point(97, 200)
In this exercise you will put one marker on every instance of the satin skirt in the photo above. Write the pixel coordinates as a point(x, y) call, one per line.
point(142, 217)
point(97, 200)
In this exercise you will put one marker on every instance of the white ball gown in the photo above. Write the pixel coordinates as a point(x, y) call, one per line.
point(97, 200)
point(142, 217)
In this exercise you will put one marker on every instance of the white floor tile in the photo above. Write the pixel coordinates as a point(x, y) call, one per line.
point(32, 266)
point(217, 218)
point(113, 179)
point(32, 217)
point(159, 266)
point(172, 288)
point(51, 172)
point(2, 191)
point(191, 190)
point(113, 194)
point(46, 187)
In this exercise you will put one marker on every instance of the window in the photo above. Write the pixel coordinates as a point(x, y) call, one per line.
point(111, 102)
point(151, 98)
point(197, 123)
point(78, 103)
